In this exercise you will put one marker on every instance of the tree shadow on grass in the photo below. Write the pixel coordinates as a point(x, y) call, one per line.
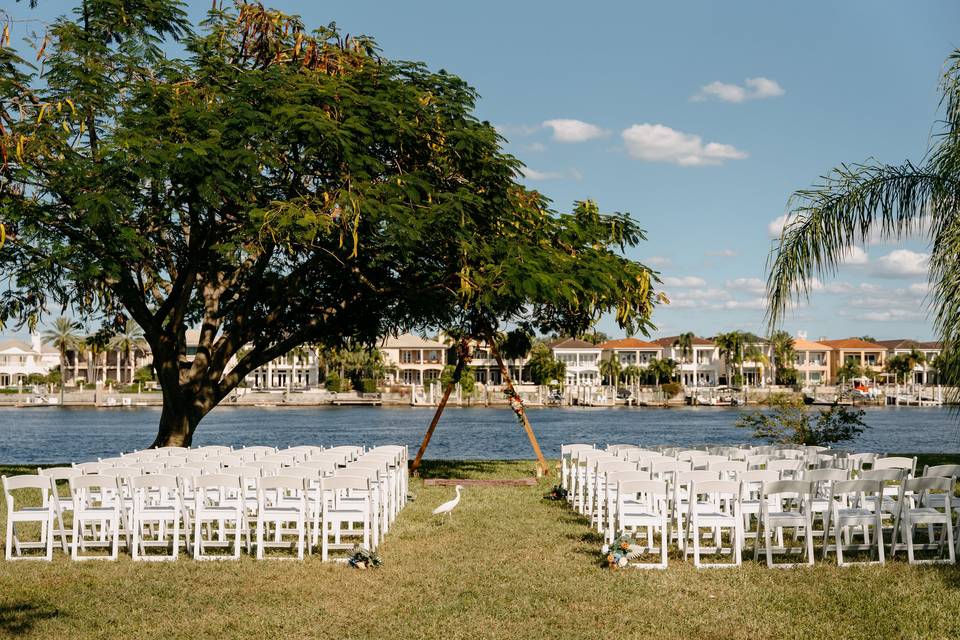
point(18, 618)
point(475, 469)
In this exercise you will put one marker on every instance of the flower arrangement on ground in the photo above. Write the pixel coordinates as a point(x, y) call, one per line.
point(363, 558)
point(618, 554)
point(557, 493)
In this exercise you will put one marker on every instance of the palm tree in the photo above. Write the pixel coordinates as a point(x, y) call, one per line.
point(63, 337)
point(782, 347)
point(731, 350)
point(610, 370)
point(661, 368)
point(129, 343)
point(684, 342)
point(753, 352)
point(853, 202)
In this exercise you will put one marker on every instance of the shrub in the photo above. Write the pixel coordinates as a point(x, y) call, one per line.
point(790, 422)
point(368, 385)
point(332, 383)
point(671, 389)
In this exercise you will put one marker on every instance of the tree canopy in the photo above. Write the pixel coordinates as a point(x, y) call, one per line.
point(274, 186)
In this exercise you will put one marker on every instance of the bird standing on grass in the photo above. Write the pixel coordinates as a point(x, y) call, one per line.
point(448, 507)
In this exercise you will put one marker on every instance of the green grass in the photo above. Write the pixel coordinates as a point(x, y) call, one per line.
point(508, 565)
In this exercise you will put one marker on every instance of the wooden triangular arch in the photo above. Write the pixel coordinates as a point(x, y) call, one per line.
point(516, 403)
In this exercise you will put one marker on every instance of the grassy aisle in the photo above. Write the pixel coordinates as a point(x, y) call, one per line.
point(509, 565)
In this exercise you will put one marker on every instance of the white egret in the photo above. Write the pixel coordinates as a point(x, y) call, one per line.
point(448, 507)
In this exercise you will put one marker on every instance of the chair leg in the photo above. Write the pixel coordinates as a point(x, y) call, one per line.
point(259, 538)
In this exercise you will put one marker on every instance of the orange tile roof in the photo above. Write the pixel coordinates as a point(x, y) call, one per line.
point(571, 343)
point(799, 344)
point(629, 343)
point(853, 343)
point(669, 340)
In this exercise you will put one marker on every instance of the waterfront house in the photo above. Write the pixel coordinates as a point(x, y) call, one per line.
point(630, 352)
point(20, 359)
point(581, 358)
point(924, 372)
point(812, 361)
point(486, 371)
point(869, 355)
point(411, 359)
point(703, 368)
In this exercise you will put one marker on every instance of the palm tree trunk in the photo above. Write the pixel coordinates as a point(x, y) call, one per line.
point(63, 371)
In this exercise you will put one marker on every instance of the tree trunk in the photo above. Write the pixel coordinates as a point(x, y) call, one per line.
point(181, 414)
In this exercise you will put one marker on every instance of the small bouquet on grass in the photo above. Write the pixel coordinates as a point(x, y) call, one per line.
point(363, 558)
point(619, 554)
point(557, 493)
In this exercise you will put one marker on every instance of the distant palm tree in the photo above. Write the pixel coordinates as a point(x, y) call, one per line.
point(684, 342)
point(852, 202)
point(662, 368)
point(631, 373)
point(610, 370)
point(782, 346)
point(128, 343)
point(731, 346)
point(62, 336)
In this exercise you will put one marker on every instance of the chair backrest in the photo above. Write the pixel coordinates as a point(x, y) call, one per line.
point(825, 475)
point(12, 483)
point(229, 460)
point(652, 493)
point(896, 462)
point(326, 466)
point(156, 481)
point(281, 483)
point(59, 473)
point(788, 465)
point(345, 483)
point(856, 460)
point(942, 471)
point(926, 484)
point(609, 466)
point(883, 475)
point(841, 492)
point(229, 481)
point(787, 487)
point(723, 494)
point(729, 468)
point(216, 449)
point(90, 467)
point(616, 477)
point(755, 461)
point(149, 467)
point(660, 467)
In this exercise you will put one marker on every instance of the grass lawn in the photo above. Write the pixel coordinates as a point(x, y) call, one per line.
point(508, 565)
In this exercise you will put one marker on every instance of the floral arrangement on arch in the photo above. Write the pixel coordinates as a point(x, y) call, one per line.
point(516, 402)
point(619, 554)
point(363, 558)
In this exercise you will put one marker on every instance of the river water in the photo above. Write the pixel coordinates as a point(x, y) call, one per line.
point(57, 434)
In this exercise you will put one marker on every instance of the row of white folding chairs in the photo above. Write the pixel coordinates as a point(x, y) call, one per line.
point(643, 507)
point(316, 507)
point(385, 469)
point(598, 476)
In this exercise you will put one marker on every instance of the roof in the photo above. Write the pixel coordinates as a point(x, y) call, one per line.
point(669, 340)
point(12, 345)
point(628, 343)
point(853, 343)
point(799, 344)
point(931, 345)
point(572, 343)
point(410, 341)
point(908, 343)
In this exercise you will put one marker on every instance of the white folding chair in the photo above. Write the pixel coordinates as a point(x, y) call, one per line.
point(218, 514)
point(62, 504)
point(929, 511)
point(44, 514)
point(714, 505)
point(751, 486)
point(848, 509)
point(644, 505)
point(281, 502)
point(97, 507)
point(784, 504)
point(614, 478)
point(156, 501)
point(346, 501)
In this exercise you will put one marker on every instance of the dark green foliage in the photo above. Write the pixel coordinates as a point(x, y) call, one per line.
point(467, 381)
point(671, 389)
point(368, 385)
point(143, 375)
point(543, 367)
point(332, 383)
point(276, 186)
point(789, 421)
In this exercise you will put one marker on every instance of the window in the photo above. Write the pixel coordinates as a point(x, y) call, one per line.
point(588, 359)
point(814, 376)
point(627, 358)
point(431, 374)
point(870, 359)
point(409, 356)
point(817, 359)
point(848, 359)
point(567, 358)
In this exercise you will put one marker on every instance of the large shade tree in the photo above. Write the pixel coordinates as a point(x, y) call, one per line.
point(854, 203)
point(273, 186)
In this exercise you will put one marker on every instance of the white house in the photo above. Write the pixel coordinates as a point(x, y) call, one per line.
point(631, 352)
point(19, 359)
point(581, 358)
point(702, 368)
point(923, 372)
point(415, 360)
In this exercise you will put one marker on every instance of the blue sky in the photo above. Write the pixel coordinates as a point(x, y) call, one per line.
point(700, 119)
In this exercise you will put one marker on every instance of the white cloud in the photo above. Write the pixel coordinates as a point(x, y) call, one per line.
point(535, 147)
point(752, 303)
point(533, 174)
point(855, 256)
point(684, 281)
point(919, 288)
point(902, 263)
point(658, 261)
point(752, 89)
point(660, 143)
point(722, 253)
point(570, 130)
point(753, 285)
point(891, 315)
point(507, 130)
point(776, 226)
point(831, 287)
